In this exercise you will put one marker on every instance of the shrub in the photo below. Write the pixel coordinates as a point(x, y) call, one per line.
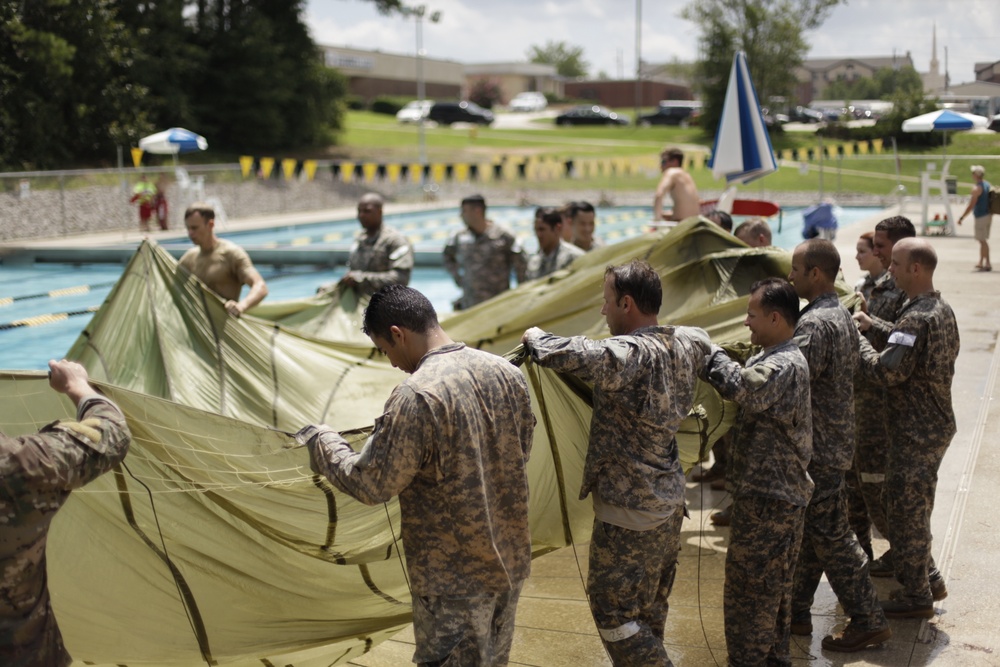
point(388, 104)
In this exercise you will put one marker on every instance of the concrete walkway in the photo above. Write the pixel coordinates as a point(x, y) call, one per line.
point(554, 626)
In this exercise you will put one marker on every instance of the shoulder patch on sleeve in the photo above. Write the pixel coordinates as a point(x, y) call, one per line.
point(900, 338)
point(757, 376)
point(399, 252)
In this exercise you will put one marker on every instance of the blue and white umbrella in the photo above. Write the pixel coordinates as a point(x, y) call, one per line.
point(742, 151)
point(944, 120)
point(173, 141)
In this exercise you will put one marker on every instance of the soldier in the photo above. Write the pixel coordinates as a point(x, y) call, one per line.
point(453, 443)
point(917, 364)
point(644, 380)
point(875, 321)
point(755, 233)
point(222, 265)
point(771, 449)
point(828, 338)
point(39, 472)
point(481, 257)
point(380, 255)
point(584, 221)
point(553, 253)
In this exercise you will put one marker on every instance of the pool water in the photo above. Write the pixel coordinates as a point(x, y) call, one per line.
point(34, 290)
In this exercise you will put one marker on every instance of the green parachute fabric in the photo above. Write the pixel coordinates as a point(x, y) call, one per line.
point(214, 544)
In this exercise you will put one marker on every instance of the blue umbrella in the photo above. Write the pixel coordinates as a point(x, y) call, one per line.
point(173, 141)
point(742, 151)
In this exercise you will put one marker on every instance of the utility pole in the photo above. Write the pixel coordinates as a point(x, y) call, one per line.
point(638, 59)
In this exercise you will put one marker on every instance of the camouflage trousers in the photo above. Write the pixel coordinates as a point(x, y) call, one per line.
point(870, 458)
point(857, 510)
point(829, 545)
point(631, 575)
point(911, 482)
point(764, 541)
point(465, 631)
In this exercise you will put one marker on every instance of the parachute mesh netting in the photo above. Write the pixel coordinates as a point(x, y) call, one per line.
point(214, 543)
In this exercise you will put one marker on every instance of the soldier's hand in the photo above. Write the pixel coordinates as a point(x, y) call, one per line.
point(348, 280)
point(70, 378)
point(531, 333)
point(234, 308)
point(863, 320)
point(863, 305)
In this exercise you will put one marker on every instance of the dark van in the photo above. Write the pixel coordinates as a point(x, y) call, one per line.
point(446, 113)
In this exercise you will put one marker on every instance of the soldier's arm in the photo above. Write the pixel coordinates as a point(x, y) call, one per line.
point(68, 454)
point(611, 360)
point(894, 364)
point(390, 459)
point(755, 388)
point(450, 260)
point(400, 266)
point(878, 331)
point(518, 260)
point(813, 346)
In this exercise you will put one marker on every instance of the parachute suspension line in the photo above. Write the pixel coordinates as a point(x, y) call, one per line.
point(557, 464)
point(274, 375)
point(703, 431)
point(189, 604)
point(399, 554)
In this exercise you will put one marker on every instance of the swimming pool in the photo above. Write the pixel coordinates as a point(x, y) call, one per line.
point(59, 298)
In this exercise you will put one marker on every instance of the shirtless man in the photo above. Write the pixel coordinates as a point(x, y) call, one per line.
point(679, 185)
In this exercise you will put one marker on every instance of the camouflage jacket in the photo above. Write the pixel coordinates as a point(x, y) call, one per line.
point(644, 386)
point(481, 263)
point(542, 264)
point(883, 307)
point(918, 365)
point(37, 474)
point(453, 443)
point(379, 260)
point(828, 338)
point(772, 436)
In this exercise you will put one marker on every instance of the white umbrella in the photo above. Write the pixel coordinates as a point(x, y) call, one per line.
point(173, 141)
point(944, 120)
point(742, 151)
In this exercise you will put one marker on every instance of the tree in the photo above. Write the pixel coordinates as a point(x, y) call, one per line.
point(770, 32)
point(883, 85)
point(568, 59)
point(67, 83)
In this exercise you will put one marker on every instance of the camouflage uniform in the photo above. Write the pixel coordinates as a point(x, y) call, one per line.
point(481, 263)
point(767, 474)
point(38, 472)
point(542, 264)
point(872, 413)
point(453, 443)
point(917, 365)
point(644, 386)
point(381, 259)
point(828, 338)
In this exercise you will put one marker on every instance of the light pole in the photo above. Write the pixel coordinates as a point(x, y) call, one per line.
point(418, 13)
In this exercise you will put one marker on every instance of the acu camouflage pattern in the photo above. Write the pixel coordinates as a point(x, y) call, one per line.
point(828, 338)
point(629, 582)
point(541, 264)
point(37, 474)
point(453, 443)
point(917, 366)
point(764, 539)
point(644, 387)
point(772, 437)
point(829, 545)
point(871, 419)
point(481, 263)
point(384, 258)
point(470, 631)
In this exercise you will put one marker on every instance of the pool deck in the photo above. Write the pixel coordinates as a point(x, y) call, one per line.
point(554, 627)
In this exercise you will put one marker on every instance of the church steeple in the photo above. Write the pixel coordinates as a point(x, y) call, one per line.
point(934, 60)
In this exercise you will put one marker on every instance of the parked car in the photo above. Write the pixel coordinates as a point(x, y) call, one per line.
point(414, 111)
point(528, 101)
point(805, 115)
point(446, 113)
point(672, 114)
point(590, 115)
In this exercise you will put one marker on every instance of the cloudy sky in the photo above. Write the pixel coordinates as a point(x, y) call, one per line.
point(503, 30)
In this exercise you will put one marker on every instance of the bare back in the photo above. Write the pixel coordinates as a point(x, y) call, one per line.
point(680, 186)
